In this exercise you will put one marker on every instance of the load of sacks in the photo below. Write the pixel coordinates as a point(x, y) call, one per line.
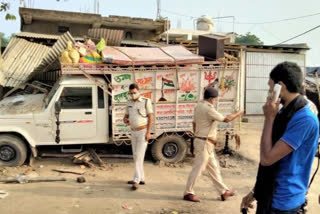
point(87, 52)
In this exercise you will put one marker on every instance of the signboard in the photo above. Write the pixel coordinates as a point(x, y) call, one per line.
point(228, 86)
point(209, 78)
point(225, 108)
point(145, 80)
point(188, 86)
point(166, 85)
point(185, 115)
point(165, 116)
point(122, 79)
point(118, 113)
point(120, 93)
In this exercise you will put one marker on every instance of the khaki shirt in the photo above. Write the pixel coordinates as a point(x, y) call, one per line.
point(206, 118)
point(138, 111)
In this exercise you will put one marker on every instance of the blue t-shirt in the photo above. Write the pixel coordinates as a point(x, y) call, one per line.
point(302, 135)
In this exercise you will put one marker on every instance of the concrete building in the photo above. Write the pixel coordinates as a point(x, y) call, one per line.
point(78, 24)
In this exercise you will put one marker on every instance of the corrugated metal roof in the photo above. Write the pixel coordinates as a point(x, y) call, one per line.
point(112, 37)
point(20, 59)
point(43, 36)
point(55, 52)
point(37, 35)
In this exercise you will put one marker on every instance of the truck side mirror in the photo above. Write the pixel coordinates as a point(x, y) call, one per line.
point(57, 107)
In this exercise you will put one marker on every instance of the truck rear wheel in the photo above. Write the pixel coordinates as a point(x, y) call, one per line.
point(170, 149)
point(13, 151)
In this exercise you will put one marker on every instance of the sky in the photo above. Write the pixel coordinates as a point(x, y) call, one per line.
point(244, 11)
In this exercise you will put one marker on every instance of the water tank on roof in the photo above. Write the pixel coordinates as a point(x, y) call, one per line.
point(205, 23)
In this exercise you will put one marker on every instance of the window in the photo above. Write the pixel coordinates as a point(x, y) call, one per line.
point(100, 98)
point(76, 98)
point(63, 29)
point(128, 35)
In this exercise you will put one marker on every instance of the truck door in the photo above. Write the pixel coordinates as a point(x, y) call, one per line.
point(78, 114)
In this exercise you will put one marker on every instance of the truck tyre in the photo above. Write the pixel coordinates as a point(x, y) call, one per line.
point(13, 151)
point(170, 149)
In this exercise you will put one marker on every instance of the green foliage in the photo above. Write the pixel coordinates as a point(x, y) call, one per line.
point(248, 39)
point(5, 40)
point(5, 6)
point(10, 17)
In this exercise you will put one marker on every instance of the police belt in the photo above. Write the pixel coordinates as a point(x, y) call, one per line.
point(139, 128)
point(206, 139)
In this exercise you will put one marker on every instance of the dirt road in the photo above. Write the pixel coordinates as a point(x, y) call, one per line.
point(106, 190)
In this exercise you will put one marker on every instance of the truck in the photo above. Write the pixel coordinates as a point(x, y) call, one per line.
point(87, 104)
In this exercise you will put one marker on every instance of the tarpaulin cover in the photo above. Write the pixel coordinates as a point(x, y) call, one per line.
point(182, 55)
point(149, 56)
point(113, 56)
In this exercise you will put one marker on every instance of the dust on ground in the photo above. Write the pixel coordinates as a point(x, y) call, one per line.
point(106, 191)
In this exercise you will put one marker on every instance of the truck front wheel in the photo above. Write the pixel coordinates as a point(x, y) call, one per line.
point(13, 151)
point(170, 149)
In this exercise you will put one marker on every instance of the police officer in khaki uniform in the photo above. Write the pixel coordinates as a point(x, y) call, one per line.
point(139, 116)
point(205, 131)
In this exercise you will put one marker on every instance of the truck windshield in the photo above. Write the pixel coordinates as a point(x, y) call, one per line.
point(51, 93)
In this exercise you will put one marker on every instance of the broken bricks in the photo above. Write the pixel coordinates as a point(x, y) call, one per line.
point(81, 179)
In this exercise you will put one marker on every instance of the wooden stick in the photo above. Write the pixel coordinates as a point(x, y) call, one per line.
point(68, 171)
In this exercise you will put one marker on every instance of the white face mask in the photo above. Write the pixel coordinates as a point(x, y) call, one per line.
point(134, 96)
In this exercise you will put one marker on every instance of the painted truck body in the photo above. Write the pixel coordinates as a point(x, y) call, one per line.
point(93, 99)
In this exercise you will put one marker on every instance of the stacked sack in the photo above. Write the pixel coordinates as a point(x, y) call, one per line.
point(86, 52)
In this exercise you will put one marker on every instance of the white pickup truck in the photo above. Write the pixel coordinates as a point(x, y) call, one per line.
point(80, 110)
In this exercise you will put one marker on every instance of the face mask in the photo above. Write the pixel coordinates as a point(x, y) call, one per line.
point(134, 96)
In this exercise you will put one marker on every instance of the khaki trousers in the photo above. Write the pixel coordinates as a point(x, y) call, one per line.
point(205, 158)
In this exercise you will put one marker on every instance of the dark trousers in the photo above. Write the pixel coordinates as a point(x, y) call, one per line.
point(293, 211)
point(266, 208)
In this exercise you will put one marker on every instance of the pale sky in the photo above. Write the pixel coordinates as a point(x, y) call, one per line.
point(252, 11)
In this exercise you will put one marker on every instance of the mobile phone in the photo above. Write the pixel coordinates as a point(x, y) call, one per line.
point(244, 211)
point(276, 89)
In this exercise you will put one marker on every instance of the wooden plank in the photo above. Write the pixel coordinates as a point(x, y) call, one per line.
point(95, 157)
point(80, 154)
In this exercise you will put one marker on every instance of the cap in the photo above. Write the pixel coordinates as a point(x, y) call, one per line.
point(210, 92)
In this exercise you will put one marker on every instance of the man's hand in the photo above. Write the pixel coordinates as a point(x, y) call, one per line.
point(126, 120)
point(233, 116)
point(247, 201)
point(148, 136)
point(270, 108)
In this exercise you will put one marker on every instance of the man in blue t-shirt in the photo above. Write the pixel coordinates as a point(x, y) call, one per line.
point(288, 146)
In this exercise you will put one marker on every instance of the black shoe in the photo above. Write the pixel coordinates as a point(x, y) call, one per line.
point(132, 182)
point(135, 186)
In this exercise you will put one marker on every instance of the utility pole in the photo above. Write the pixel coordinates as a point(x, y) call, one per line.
point(98, 6)
point(158, 9)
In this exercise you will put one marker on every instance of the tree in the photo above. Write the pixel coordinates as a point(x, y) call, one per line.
point(5, 40)
point(5, 6)
point(248, 39)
